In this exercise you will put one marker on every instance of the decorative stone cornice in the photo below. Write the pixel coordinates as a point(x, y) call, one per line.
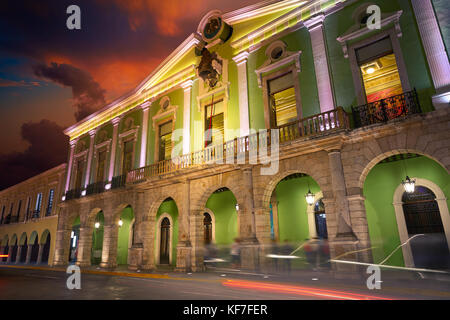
point(241, 57)
point(314, 22)
point(293, 57)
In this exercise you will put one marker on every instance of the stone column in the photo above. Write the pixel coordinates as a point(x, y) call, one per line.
point(262, 221)
point(145, 107)
point(241, 63)
point(69, 166)
point(434, 49)
point(89, 157)
point(84, 247)
point(62, 247)
point(109, 251)
point(19, 253)
point(187, 88)
point(147, 228)
point(28, 258)
point(8, 260)
point(345, 240)
point(247, 228)
point(40, 253)
point(115, 123)
point(196, 239)
point(321, 65)
point(184, 245)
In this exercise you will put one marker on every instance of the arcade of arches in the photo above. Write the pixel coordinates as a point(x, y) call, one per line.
point(359, 205)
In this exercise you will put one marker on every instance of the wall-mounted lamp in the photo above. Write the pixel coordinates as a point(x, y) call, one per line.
point(120, 222)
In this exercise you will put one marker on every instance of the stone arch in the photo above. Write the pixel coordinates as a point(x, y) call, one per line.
point(14, 240)
point(44, 236)
point(400, 216)
point(34, 235)
point(90, 218)
point(370, 163)
point(200, 203)
point(23, 238)
point(5, 240)
point(156, 203)
point(270, 185)
point(114, 219)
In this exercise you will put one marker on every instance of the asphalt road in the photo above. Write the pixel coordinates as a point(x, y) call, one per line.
point(49, 284)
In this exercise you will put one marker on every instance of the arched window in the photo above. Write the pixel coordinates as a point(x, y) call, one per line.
point(164, 255)
point(207, 226)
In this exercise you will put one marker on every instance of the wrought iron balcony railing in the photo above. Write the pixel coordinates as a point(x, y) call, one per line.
point(73, 194)
point(386, 109)
point(118, 181)
point(97, 187)
point(238, 148)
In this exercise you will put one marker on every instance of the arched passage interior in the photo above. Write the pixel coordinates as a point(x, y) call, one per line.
point(385, 214)
point(125, 235)
point(97, 239)
point(166, 233)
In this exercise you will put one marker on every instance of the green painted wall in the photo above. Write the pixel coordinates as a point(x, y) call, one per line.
point(292, 208)
point(97, 239)
point(379, 188)
point(223, 205)
point(170, 207)
point(124, 240)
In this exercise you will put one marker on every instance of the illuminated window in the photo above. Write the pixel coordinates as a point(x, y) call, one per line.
point(165, 141)
point(214, 123)
point(51, 195)
point(379, 70)
point(38, 202)
point(283, 105)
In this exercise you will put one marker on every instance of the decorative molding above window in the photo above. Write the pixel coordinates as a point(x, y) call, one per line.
point(165, 110)
point(102, 136)
point(278, 56)
point(359, 29)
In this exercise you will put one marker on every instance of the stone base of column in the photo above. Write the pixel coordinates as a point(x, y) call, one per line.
point(344, 248)
point(82, 264)
point(135, 257)
point(107, 265)
point(183, 257)
point(249, 254)
point(148, 267)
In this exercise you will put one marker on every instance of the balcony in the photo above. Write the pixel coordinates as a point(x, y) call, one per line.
point(326, 122)
point(97, 187)
point(73, 194)
point(386, 109)
point(118, 181)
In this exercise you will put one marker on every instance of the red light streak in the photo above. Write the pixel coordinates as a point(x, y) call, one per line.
point(298, 290)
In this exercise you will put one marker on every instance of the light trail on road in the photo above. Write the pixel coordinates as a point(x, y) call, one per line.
point(299, 290)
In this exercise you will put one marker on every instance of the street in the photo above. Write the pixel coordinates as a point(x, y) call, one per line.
point(32, 283)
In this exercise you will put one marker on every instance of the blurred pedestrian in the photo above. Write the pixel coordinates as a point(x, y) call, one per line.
point(311, 249)
point(275, 251)
point(286, 250)
point(236, 254)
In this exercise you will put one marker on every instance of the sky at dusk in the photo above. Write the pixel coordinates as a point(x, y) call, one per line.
point(51, 77)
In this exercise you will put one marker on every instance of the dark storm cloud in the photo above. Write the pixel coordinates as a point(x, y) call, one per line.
point(88, 95)
point(47, 148)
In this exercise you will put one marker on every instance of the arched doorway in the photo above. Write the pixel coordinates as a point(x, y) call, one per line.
point(34, 240)
point(424, 226)
point(125, 236)
point(5, 244)
point(46, 249)
point(14, 250)
point(24, 248)
point(292, 217)
point(164, 244)
point(97, 239)
point(320, 220)
point(384, 196)
point(166, 231)
point(74, 239)
point(207, 228)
